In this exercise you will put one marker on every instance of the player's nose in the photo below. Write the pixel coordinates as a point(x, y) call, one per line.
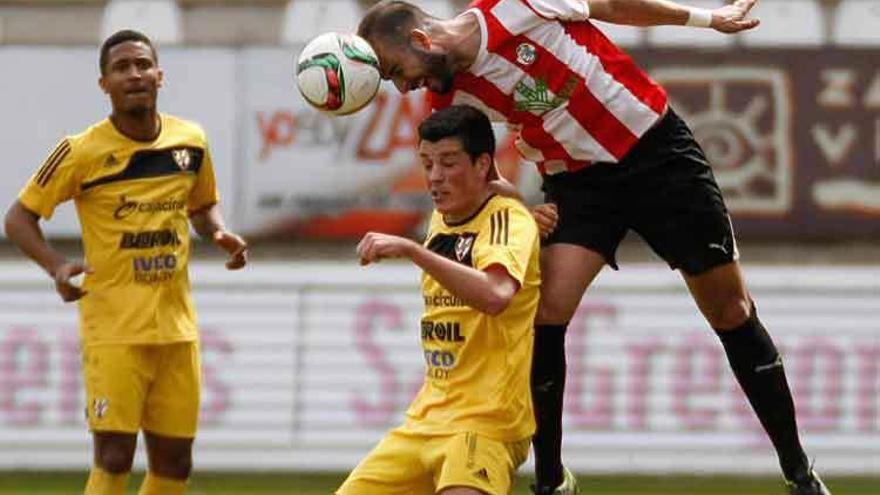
point(436, 174)
point(134, 72)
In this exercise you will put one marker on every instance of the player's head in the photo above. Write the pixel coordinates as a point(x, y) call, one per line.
point(456, 147)
point(130, 73)
point(398, 32)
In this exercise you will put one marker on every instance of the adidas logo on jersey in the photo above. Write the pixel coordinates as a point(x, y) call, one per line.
point(111, 161)
point(483, 474)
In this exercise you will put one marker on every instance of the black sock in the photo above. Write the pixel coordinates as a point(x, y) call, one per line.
point(758, 368)
point(548, 385)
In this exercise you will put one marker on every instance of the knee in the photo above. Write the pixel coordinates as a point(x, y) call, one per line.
point(730, 314)
point(183, 466)
point(176, 466)
point(115, 459)
point(553, 311)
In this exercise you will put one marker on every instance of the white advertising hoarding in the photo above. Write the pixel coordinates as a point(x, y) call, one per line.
point(304, 166)
point(307, 365)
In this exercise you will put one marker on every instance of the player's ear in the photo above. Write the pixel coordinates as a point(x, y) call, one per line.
point(159, 77)
point(103, 85)
point(485, 166)
point(420, 39)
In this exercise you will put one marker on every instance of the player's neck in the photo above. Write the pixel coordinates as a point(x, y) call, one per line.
point(461, 36)
point(463, 216)
point(141, 126)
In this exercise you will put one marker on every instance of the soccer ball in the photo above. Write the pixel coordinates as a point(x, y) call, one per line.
point(338, 73)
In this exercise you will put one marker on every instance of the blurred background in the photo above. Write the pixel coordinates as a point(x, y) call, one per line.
point(309, 359)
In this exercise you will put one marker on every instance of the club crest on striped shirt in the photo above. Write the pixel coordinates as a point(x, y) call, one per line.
point(182, 158)
point(526, 54)
point(537, 97)
point(462, 247)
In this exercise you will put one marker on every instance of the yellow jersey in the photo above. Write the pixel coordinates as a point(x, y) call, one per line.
point(132, 199)
point(478, 365)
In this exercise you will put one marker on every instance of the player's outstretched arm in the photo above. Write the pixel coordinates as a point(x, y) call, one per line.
point(23, 229)
point(488, 291)
point(208, 223)
point(729, 18)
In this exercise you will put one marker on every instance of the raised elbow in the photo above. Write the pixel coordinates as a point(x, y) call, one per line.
point(502, 287)
point(497, 304)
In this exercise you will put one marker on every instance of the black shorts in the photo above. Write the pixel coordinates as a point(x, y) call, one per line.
point(663, 189)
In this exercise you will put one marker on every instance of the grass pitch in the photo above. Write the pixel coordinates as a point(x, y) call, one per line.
point(251, 483)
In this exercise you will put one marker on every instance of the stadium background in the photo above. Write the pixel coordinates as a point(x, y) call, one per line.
point(309, 358)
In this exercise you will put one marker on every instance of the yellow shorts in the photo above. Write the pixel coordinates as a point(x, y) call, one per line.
point(151, 387)
point(408, 464)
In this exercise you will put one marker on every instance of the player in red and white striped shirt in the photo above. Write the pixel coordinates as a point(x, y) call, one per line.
point(614, 157)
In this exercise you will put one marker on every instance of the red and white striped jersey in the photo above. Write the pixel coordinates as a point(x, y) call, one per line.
point(545, 68)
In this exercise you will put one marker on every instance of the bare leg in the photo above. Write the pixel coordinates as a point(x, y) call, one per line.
point(723, 299)
point(170, 465)
point(567, 271)
point(169, 457)
point(113, 455)
point(114, 452)
point(721, 295)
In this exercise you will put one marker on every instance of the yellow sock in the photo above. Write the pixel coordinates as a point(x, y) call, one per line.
point(103, 483)
point(156, 485)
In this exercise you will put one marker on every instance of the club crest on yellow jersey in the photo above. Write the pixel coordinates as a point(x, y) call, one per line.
point(463, 246)
point(182, 158)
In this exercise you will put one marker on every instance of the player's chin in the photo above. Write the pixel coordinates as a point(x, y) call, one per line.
point(445, 207)
point(438, 87)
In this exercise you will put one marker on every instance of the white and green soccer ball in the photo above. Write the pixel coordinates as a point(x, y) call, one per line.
point(338, 73)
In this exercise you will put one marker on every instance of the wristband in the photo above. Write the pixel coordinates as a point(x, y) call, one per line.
point(699, 17)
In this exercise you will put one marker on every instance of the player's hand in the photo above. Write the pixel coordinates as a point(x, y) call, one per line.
point(64, 285)
point(547, 217)
point(235, 247)
point(375, 247)
point(501, 186)
point(731, 18)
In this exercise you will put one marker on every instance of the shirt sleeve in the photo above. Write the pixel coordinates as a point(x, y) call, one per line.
point(564, 10)
point(509, 18)
point(55, 182)
point(204, 193)
point(512, 237)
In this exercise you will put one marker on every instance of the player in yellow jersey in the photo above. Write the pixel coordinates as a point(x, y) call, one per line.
point(139, 179)
point(470, 425)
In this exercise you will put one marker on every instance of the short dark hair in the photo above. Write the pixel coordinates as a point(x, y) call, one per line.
point(391, 21)
point(121, 37)
point(463, 122)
